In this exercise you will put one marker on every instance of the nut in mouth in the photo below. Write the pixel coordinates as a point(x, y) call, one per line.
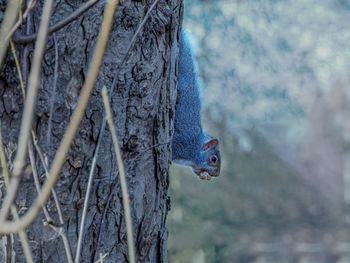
point(204, 176)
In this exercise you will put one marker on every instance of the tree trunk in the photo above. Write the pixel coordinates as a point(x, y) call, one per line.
point(143, 107)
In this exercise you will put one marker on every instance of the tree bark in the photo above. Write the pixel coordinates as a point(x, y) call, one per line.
point(143, 105)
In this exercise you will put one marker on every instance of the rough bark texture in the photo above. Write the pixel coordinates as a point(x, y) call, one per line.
point(143, 106)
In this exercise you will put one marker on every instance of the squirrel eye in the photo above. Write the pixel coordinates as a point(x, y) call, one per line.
point(213, 159)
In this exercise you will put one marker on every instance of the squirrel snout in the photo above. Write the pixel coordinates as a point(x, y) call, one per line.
point(206, 174)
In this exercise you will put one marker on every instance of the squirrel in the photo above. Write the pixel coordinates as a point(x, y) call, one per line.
point(190, 145)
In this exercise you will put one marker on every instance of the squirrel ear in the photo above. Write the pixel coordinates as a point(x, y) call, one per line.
point(211, 144)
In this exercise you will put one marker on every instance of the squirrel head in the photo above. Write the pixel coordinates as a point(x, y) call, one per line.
point(210, 160)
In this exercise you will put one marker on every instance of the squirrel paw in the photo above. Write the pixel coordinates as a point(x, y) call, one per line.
point(204, 176)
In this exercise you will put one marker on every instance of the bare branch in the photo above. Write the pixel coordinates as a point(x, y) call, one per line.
point(60, 158)
point(49, 220)
point(100, 260)
point(36, 180)
point(20, 20)
point(103, 217)
point(111, 90)
point(131, 44)
point(52, 97)
point(47, 173)
point(6, 25)
point(61, 230)
point(81, 10)
point(22, 234)
point(13, 50)
point(28, 112)
point(87, 194)
point(25, 53)
point(125, 194)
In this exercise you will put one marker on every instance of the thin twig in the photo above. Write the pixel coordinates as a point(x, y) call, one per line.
point(22, 234)
point(87, 194)
point(81, 10)
point(131, 44)
point(47, 173)
point(110, 91)
point(60, 157)
point(28, 112)
point(35, 175)
point(60, 230)
point(23, 237)
point(65, 242)
point(52, 97)
point(13, 50)
point(20, 8)
point(103, 218)
point(125, 194)
point(112, 5)
point(25, 53)
point(36, 180)
point(6, 25)
point(153, 146)
point(100, 260)
point(21, 18)
point(102, 128)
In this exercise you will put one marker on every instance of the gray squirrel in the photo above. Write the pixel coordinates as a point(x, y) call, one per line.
point(190, 146)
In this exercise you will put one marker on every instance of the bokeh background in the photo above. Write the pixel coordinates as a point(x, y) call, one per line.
point(275, 91)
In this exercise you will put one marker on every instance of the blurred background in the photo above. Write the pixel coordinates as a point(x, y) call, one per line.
point(275, 89)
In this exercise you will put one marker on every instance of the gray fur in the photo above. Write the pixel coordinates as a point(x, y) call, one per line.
point(189, 139)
